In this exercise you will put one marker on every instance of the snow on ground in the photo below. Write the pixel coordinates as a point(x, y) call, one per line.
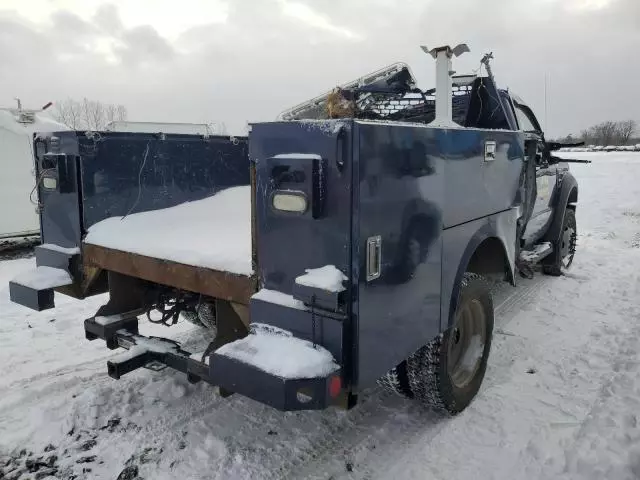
point(214, 232)
point(561, 398)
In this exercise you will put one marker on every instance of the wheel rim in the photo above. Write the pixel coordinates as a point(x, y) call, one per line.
point(466, 343)
point(568, 246)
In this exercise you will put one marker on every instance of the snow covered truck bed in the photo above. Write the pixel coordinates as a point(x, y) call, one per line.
point(172, 209)
point(202, 246)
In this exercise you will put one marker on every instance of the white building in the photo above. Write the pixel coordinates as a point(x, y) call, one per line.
point(18, 215)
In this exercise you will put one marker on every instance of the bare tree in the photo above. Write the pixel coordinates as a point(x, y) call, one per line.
point(94, 114)
point(605, 133)
point(121, 113)
point(67, 112)
point(114, 113)
point(626, 130)
point(111, 113)
point(88, 114)
point(587, 137)
point(610, 133)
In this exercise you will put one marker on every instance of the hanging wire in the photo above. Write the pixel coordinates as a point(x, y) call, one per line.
point(144, 161)
point(169, 305)
point(483, 86)
point(479, 70)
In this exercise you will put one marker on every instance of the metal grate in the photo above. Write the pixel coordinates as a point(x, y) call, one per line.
point(386, 105)
point(415, 106)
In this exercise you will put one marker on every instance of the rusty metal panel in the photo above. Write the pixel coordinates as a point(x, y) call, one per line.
point(212, 283)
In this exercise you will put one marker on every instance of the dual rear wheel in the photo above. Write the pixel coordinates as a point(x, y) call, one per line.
point(446, 374)
point(203, 315)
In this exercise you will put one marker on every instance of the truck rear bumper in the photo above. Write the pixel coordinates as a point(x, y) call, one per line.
point(230, 374)
point(284, 394)
point(273, 367)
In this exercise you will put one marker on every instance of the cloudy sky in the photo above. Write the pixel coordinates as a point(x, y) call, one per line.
point(246, 60)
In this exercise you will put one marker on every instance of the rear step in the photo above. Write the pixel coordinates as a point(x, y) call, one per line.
point(34, 289)
point(230, 374)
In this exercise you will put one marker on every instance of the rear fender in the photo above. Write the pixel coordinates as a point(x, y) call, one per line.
point(489, 251)
point(564, 197)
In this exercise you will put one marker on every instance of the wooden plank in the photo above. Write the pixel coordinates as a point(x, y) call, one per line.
point(213, 283)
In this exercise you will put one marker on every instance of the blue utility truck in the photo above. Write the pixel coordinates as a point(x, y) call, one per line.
point(351, 242)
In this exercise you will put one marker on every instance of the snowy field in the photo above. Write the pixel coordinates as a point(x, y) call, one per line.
point(561, 398)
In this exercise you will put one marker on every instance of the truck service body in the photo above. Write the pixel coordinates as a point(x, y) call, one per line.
point(370, 239)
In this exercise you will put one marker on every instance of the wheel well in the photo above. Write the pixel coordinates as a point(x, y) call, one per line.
point(490, 260)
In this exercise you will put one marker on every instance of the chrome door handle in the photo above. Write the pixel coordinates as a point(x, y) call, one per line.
point(490, 149)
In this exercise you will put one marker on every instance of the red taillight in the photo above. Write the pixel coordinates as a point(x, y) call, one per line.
point(335, 386)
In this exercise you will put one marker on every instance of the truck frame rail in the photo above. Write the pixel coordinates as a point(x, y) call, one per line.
point(213, 283)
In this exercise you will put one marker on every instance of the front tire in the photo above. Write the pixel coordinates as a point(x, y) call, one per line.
point(564, 248)
point(446, 374)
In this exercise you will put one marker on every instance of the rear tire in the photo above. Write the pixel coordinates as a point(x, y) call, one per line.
point(203, 316)
point(564, 247)
point(446, 374)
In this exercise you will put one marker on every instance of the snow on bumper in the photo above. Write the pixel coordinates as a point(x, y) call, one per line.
point(276, 351)
point(55, 268)
point(272, 366)
point(34, 289)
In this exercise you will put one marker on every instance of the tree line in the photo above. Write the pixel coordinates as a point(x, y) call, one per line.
point(607, 133)
point(88, 114)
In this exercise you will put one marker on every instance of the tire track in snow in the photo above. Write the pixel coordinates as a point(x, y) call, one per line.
point(512, 429)
point(335, 436)
point(402, 423)
point(604, 441)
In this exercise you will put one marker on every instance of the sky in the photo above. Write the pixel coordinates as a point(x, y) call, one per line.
point(240, 61)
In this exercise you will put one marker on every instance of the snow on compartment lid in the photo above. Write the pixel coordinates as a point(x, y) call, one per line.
point(278, 298)
point(279, 353)
point(325, 278)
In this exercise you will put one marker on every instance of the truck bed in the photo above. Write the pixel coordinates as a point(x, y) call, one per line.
point(202, 246)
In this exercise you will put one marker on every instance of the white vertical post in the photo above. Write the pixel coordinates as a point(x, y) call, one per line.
point(444, 100)
point(444, 107)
